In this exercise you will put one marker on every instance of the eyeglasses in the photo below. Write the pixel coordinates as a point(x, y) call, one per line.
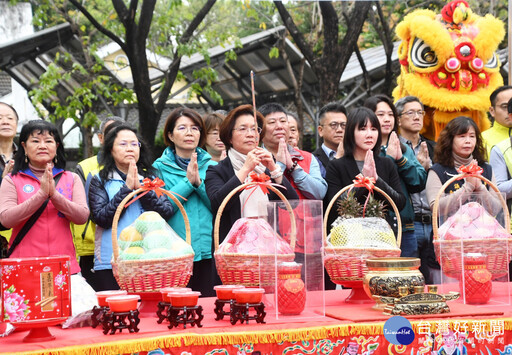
point(412, 113)
point(126, 145)
point(335, 125)
point(193, 129)
point(245, 130)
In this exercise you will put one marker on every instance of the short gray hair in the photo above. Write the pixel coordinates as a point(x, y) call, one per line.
point(110, 119)
point(400, 104)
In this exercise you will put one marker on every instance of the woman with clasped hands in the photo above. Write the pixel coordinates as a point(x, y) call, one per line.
point(241, 134)
point(361, 156)
point(460, 143)
point(39, 161)
point(182, 167)
point(126, 161)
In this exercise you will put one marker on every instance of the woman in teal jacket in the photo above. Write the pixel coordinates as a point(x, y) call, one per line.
point(412, 175)
point(182, 167)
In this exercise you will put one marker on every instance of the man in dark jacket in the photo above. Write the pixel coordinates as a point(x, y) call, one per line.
point(332, 122)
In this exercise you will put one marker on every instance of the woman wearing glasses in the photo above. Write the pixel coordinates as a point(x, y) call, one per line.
point(182, 167)
point(412, 175)
point(213, 144)
point(126, 161)
point(241, 134)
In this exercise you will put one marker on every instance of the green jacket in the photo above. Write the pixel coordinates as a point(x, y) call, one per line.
point(197, 206)
point(84, 243)
point(413, 178)
point(494, 135)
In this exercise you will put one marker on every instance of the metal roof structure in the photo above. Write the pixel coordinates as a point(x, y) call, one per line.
point(272, 81)
point(27, 58)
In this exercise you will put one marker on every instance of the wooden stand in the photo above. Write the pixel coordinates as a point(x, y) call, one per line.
point(97, 315)
point(219, 308)
point(113, 321)
point(185, 315)
point(163, 311)
point(240, 312)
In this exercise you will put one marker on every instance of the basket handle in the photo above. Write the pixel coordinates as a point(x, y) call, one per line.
point(119, 210)
point(395, 209)
point(435, 207)
point(216, 226)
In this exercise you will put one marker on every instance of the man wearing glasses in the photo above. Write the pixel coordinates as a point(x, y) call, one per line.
point(332, 122)
point(502, 121)
point(411, 112)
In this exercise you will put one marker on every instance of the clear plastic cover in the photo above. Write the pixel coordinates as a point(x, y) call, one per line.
point(254, 236)
point(151, 237)
point(473, 248)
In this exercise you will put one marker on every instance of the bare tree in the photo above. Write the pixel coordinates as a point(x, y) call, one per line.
point(329, 64)
point(136, 21)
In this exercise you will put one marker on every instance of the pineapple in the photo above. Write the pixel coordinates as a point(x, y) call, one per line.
point(349, 207)
point(375, 208)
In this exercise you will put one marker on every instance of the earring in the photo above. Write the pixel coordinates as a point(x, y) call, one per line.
point(55, 160)
point(26, 159)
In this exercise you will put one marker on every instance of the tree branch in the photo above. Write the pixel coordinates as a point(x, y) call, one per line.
point(330, 27)
point(122, 12)
point(145, 19)
point(172, 72)
point(355, 25)
point(196, 21)
point(96, 24)
point(297, 36)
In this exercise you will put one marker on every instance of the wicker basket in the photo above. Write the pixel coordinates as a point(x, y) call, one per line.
point(251, 270)
point(153, 274)
point(451, 263)
point(347, 265)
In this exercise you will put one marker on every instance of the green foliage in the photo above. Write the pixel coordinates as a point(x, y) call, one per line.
point(83, 104)
point(274, 53)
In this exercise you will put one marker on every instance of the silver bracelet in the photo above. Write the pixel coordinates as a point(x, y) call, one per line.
point(277, 173)
point(276, 176)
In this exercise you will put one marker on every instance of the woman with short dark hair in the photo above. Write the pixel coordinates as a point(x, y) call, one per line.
point(182, 167)
point(213, 143)
point(126, 161)
point(38, 164)
point(459, 143)
point(240, 133)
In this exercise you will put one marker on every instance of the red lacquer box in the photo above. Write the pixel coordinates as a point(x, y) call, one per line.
point(35, 289)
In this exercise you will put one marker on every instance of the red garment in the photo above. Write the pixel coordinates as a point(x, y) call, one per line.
point(300, 214)
point(50, 235)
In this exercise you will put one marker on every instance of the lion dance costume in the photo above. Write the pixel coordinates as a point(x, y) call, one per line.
point(449, 62)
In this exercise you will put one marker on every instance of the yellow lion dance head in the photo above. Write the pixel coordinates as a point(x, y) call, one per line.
point(449, 62)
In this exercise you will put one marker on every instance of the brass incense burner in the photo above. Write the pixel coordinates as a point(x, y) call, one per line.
point(417, 303)
point(385, 276)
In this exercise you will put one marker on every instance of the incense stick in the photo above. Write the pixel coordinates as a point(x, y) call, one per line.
point(253, 98)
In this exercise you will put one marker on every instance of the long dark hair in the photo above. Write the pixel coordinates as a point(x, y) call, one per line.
point(358, 118)
point(38, 127)
point(144, 166)
point(443, 152)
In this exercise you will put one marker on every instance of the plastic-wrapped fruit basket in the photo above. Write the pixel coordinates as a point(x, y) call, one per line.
point(449, 251)
point(346, 265)
point(150, 275)
point(251, 270)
